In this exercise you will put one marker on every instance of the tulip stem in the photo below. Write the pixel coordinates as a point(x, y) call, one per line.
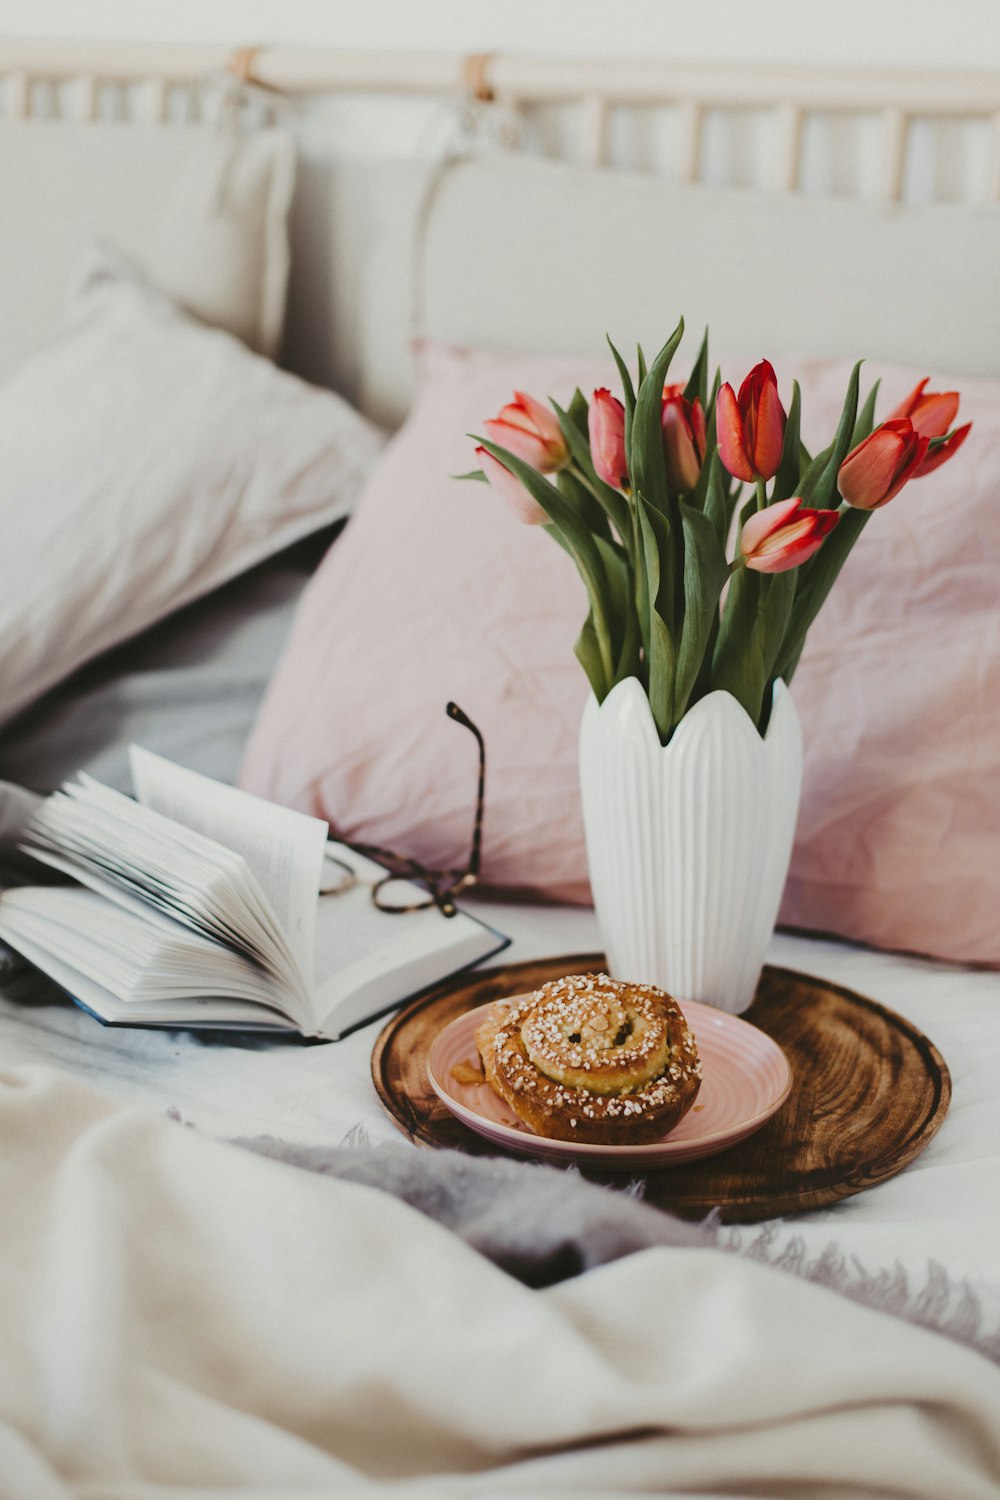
point(761, 495)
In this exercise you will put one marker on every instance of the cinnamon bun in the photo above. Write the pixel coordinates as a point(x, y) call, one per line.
point(593, 1059)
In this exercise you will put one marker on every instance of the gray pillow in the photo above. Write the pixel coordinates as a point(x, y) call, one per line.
point(187, 688)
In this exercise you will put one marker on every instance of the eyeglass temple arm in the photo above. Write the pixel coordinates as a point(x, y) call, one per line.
point(454, 712)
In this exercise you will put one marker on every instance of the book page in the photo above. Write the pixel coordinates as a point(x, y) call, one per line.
point(368, 960)
point(143, 862)
point(284, 849)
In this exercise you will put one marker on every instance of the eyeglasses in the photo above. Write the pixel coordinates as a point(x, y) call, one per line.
point(393, 892)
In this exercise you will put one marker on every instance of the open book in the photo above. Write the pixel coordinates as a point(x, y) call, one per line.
point(197, 905)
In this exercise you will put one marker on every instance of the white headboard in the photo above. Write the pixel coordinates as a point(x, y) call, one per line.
point(361, 277)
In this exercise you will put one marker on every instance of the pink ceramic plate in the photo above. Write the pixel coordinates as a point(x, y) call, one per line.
point(746, 1079)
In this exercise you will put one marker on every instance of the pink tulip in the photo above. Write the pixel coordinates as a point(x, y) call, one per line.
point(530, 431)
point(751, 426)
point(683, 438)
point(782, 536)
point(606, 424)
point(525, 507)
point(876, 470)
point(931, 412)
point(941, 454)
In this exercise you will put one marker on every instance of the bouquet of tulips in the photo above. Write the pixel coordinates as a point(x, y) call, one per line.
point(645, 493)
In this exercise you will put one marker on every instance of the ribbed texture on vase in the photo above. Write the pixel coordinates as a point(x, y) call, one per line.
point(689, 844)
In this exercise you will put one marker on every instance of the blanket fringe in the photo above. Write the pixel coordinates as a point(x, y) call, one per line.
point(942, 1303)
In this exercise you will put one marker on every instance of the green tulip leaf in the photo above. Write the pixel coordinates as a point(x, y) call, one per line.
point(821, 493)
point(646, 461)
point(619, 580)
point(585, 503)
point(640, 363)
point(786, 481)
point(865, 424)
point(660, 656)
point(777, 596)
point(574, 536)
point(628, 399)
point(588, 654)
point(699, 495)
point(705, 575)
point(737, 663)
point(697, 386)
point(660, 527)
point(716, 504)
point(472, 474)
point(629, 663)
point(818, 577)
point(611, 501)
point(578, 412)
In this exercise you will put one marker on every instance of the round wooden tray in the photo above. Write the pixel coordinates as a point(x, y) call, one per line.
point(868, 1093)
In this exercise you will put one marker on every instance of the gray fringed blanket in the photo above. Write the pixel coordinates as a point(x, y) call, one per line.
point(544, 1225)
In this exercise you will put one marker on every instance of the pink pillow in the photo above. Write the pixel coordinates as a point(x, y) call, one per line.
point(435, 592)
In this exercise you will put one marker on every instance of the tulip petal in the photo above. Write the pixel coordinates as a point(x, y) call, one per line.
point(769, 431)
point(510, 489)
point(789, 545)
point(543, 417)
point(519, 440)
point(907, 405)
point(729, 430)
point(759, 526)
point(606, 429)
point(876, 470)
point(941, 454)
point(933, 414)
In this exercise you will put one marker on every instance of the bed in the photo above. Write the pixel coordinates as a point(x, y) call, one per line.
point(332, 1311)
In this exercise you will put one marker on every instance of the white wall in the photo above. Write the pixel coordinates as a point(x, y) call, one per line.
point(963, 33)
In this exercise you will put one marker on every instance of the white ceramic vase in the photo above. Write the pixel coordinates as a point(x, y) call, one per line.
point(689, 844)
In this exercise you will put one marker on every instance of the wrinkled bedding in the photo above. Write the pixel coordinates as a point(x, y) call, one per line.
point(184, 1317)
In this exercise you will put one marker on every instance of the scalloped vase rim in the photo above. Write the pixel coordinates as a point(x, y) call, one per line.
point(717, 701)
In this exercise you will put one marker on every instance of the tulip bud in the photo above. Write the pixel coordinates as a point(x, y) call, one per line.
point(876, 470)
point(606, 425)
point(683, 425)
point(525, 507)
point(931, 412)
point(530, 431)
point(751, 426)
point(782, 536)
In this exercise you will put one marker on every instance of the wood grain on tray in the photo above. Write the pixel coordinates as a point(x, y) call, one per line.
point(869, 1092)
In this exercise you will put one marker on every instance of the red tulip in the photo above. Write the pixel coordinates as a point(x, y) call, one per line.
point(931, 412)
point(530, 431)
point(782, 536)
point(941, 454)
point(751, 426)
point(606, 424)
point(881, 464)
point(683, 438)
point(525, 507)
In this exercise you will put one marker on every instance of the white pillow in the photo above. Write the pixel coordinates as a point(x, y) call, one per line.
point(202, 211)
point(524, 256)
point(144, 460)
point(538, 256)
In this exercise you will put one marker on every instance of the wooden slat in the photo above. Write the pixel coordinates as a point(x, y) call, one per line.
point(690, 116)
point(17, 95)
point(593, 130)
point(534, 80)
point(789, 130)
point(895, 133)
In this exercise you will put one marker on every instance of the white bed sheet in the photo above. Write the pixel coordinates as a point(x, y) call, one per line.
point(945, 1207)
point(183, 1318)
